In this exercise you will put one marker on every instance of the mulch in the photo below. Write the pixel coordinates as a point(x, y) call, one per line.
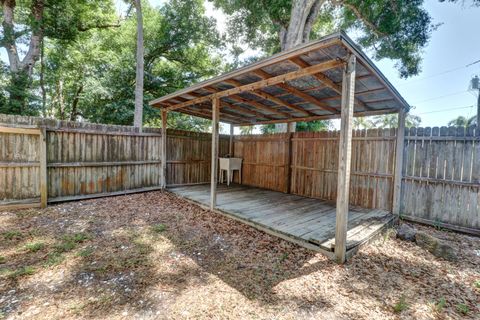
point(155, 256)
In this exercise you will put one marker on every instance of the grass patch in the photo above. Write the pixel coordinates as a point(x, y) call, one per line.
point(12, 235)
point(401, 305)
point(20, 272)
point(70, 241)
point(86, 252)
point(34, 247)
point(463, 308)
point(159, 228)
point(65, 246)
point(54, 259)
point(440, 305)
point(477, 284)
point(2, 259)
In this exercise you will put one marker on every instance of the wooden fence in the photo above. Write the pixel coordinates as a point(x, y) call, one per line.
point(86, 160)
point(441, 184)
point(66, 160)
point(305, 163)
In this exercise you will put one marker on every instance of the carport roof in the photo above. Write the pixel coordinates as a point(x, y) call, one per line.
point(301, 84)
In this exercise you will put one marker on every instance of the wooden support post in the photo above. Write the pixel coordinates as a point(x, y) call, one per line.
point(399, 152)
point(291, 126)
point(230, 146)
point(43, 168)
point(163, 171)
point(214, 169)
point(344, 159)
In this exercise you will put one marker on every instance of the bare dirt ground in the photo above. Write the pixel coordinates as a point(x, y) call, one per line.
point(155, 256)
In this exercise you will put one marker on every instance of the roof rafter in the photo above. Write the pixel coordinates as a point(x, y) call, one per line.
point(325, 80)
point(254, 103)
point(323, 117)
point(267, 96)
point(229, 105)
point(265, 75)
point(264, 83)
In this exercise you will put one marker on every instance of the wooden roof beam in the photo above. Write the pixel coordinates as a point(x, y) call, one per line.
point(267, 96)
point(237, 108)
point(296, 92)
point(255, 104)
point(208, 115)
point(331, 64)
point(324, 117)
point(326, 80)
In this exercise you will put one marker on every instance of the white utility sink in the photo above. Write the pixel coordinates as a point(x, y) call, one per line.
point(230, 164)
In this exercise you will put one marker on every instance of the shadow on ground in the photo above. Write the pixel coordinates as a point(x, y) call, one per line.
point(148, 253)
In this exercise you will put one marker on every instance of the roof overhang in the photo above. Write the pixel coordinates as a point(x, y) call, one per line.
point(301, 84)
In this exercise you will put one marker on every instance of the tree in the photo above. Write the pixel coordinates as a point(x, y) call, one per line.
point(25, 25)
point(311, 126)
point(94, 77)
point(395, 29)
point(138, 117)
point(462, 121)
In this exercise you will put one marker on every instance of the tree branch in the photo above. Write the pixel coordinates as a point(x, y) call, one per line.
point(101, 26)
point(8, 41)
point(33, 52)
point(361, 17)
point(312, 16)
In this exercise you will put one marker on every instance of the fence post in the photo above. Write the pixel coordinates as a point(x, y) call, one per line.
point(43, 167)
point(163, 155)
point(400, 146)
point(344, 160)
point(288, 162)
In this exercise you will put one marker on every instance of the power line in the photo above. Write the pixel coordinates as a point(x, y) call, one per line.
point(439, 74)
point(443, 110)
point(442, 96)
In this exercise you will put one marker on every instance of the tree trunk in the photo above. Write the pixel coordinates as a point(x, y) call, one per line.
point(74, 112)
point(21, 70)
point(42, 79)
point(138, 117)
point(303, 15)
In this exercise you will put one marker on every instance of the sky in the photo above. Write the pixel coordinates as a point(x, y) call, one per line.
point(440, 92)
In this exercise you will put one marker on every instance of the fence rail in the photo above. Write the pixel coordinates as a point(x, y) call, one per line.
point(67, 161)
point(441, 182)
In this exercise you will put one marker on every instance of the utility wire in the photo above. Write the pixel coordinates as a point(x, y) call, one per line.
point(443, 110)
point(442, 96)
point(439, 74)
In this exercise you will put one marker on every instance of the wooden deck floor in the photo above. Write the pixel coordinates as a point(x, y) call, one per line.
point(306, 221)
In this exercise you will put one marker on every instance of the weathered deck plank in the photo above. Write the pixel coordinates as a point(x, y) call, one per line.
point(303, 220)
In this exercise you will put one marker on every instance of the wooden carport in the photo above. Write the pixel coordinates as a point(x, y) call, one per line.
point(326, 79)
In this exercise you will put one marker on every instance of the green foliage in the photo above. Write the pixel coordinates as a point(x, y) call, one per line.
point(69, 242)
point(440, 305)
point(53, 259)
point(463, 308)
point(89, 61)
point(22, 271)
point(398, 29)
point(311, 126)
point(86, 252)
point(2, 259)
point(12, 235)
point(179, 41)
point(385, 121)
point(34, 247)
point(462, 121)
point(477, 284)
point(401, 305)
point(159, 228)
point(76, 237)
